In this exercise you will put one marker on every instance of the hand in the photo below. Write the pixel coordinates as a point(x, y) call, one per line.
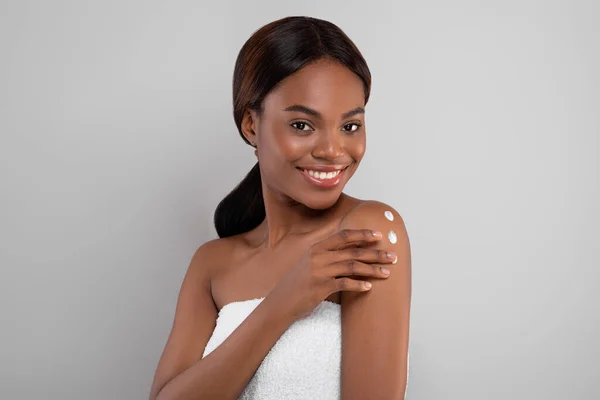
point(315, 275)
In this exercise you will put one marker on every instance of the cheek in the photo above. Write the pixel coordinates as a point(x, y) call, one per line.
point(279, 146)
point(357, 148)
point(288, 145)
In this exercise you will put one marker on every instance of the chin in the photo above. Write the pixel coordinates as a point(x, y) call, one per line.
point(321, 201)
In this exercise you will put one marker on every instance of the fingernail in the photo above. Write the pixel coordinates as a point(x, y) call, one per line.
point(396, 260)
point(376, 234)
point(390, 255)
point(385, 270)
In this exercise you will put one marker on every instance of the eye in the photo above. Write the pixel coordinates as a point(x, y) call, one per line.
point(356, 127)
point(300, 125)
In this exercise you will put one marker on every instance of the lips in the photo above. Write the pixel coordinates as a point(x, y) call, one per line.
point(326, 176)
point(324, 168)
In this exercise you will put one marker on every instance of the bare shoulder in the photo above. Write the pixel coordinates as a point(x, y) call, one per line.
point(197, 282)
point(382, 217)
point(195, 315)
point(210, 255)
point(378, 368)
point(376, 215)
point(212, 250)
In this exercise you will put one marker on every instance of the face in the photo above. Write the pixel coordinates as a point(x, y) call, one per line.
point(311, 135)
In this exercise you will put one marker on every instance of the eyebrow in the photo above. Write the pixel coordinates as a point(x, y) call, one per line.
point(315, 113)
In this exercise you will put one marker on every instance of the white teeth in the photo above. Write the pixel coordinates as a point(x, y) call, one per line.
point(323, 175)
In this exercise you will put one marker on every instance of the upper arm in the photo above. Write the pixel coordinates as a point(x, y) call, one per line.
point(375, 323)
point(194, 321)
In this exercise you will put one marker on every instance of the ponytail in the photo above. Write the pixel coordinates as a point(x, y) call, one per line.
point(243, 209)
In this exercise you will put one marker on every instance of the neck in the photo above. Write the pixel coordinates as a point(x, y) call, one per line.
point(286, 217)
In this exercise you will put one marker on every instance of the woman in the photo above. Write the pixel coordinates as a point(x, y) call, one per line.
point(263, 309)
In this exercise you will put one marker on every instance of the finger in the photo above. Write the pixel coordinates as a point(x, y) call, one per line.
point(364, 255)
point(353, 267)
point(350, 236)
point(351, 285)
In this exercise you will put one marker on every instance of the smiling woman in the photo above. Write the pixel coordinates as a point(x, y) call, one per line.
point(304, 295)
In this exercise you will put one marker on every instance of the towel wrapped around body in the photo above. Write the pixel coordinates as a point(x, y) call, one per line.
point(304, 363)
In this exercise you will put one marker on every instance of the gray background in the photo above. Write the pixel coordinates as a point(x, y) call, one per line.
point(118, 141)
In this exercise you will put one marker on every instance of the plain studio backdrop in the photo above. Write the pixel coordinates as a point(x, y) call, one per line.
point(118, 142)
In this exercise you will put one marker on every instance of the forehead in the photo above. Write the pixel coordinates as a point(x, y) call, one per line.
point(326, 86)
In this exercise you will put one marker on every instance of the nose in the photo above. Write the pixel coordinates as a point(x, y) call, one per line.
point(329, 145)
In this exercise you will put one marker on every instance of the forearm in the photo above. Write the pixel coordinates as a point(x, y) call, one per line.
point(226, 371)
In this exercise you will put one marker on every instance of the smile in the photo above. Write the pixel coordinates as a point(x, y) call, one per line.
point(323, 178)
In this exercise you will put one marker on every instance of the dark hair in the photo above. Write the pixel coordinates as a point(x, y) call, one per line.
point(271, 54)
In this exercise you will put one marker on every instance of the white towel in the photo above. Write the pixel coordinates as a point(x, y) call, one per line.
point(304, 364)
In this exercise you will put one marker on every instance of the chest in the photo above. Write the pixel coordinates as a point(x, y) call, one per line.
point(253, 275)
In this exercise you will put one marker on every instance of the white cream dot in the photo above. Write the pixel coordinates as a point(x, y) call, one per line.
point(388, 214)
point(392, 237)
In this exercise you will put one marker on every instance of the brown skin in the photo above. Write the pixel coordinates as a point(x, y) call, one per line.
point(298, 215)
point(289, 139)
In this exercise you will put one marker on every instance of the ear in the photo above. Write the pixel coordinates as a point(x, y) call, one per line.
point(249, 126)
